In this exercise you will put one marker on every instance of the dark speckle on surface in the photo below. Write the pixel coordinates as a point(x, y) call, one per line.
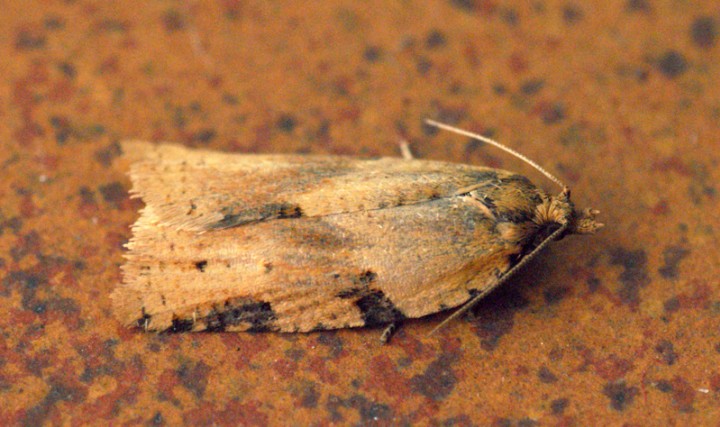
point(532, 87)
point(664, 386)
point(638, 6)
point(26, 244)
point(552, 113)
point(499, 89)
point(572, 14)
point(683, 394)
point(68, 69)
point(54, 22)
point(30, 40)
point(194, 377)
point(672, 64)
point(157, 420)
point(666, 352)
point(309, 396)
point(173, 20)
point(672, 304)
point(494, 316)
point(113, 193)
point(368, 410)
point(466, 5)
point(438, 380)
point(634, 275)
point(333, 342)
point(107, 154)
point(436, 39)
point(510, 16)
point(509, 422)
point(593, 283)
point(60, 391)
point(704, 31)
point(558, 406)
point(621, 396)
point(672, 256)
point(14, 224)
point(423, 65)
point(546, 376)
point(555, 294)
point(372, 53)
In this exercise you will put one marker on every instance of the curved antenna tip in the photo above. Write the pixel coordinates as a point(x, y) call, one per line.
point(498, 145)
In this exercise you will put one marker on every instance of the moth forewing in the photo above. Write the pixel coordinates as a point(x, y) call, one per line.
point(232, 242)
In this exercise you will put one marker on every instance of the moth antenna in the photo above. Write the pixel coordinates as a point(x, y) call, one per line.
point(468, 305)
point(498, 145)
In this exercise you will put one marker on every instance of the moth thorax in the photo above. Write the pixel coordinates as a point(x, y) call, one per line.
point(550, 215)
point(554, 210)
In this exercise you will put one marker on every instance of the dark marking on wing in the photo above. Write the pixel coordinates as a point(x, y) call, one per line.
point(143, 320)
point(318, 327)
point(473, 293)
point(367, 277)
point(259, 315)
point(180, 325)
point(214, 321)
point(377, 309)
point(361, 284)
point(232, 217)
point(200, 265)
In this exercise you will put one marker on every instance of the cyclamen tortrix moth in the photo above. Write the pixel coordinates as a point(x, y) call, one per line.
point(291, 243)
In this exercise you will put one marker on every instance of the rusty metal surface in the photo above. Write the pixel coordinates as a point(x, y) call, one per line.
point(620, 99)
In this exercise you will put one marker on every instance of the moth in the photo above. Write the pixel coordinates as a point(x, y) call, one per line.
point(291, 243)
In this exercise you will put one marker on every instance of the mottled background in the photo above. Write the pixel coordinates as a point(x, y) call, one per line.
point(620, 98)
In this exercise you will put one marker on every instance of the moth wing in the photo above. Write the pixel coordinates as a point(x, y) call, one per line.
point(200, 190)
point(300, 274)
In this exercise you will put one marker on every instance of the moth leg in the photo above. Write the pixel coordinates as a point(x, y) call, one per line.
point(405, 150)
point(388, 332)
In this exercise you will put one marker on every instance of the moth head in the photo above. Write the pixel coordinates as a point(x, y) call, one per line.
point(559, 211)
point(553, 213)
